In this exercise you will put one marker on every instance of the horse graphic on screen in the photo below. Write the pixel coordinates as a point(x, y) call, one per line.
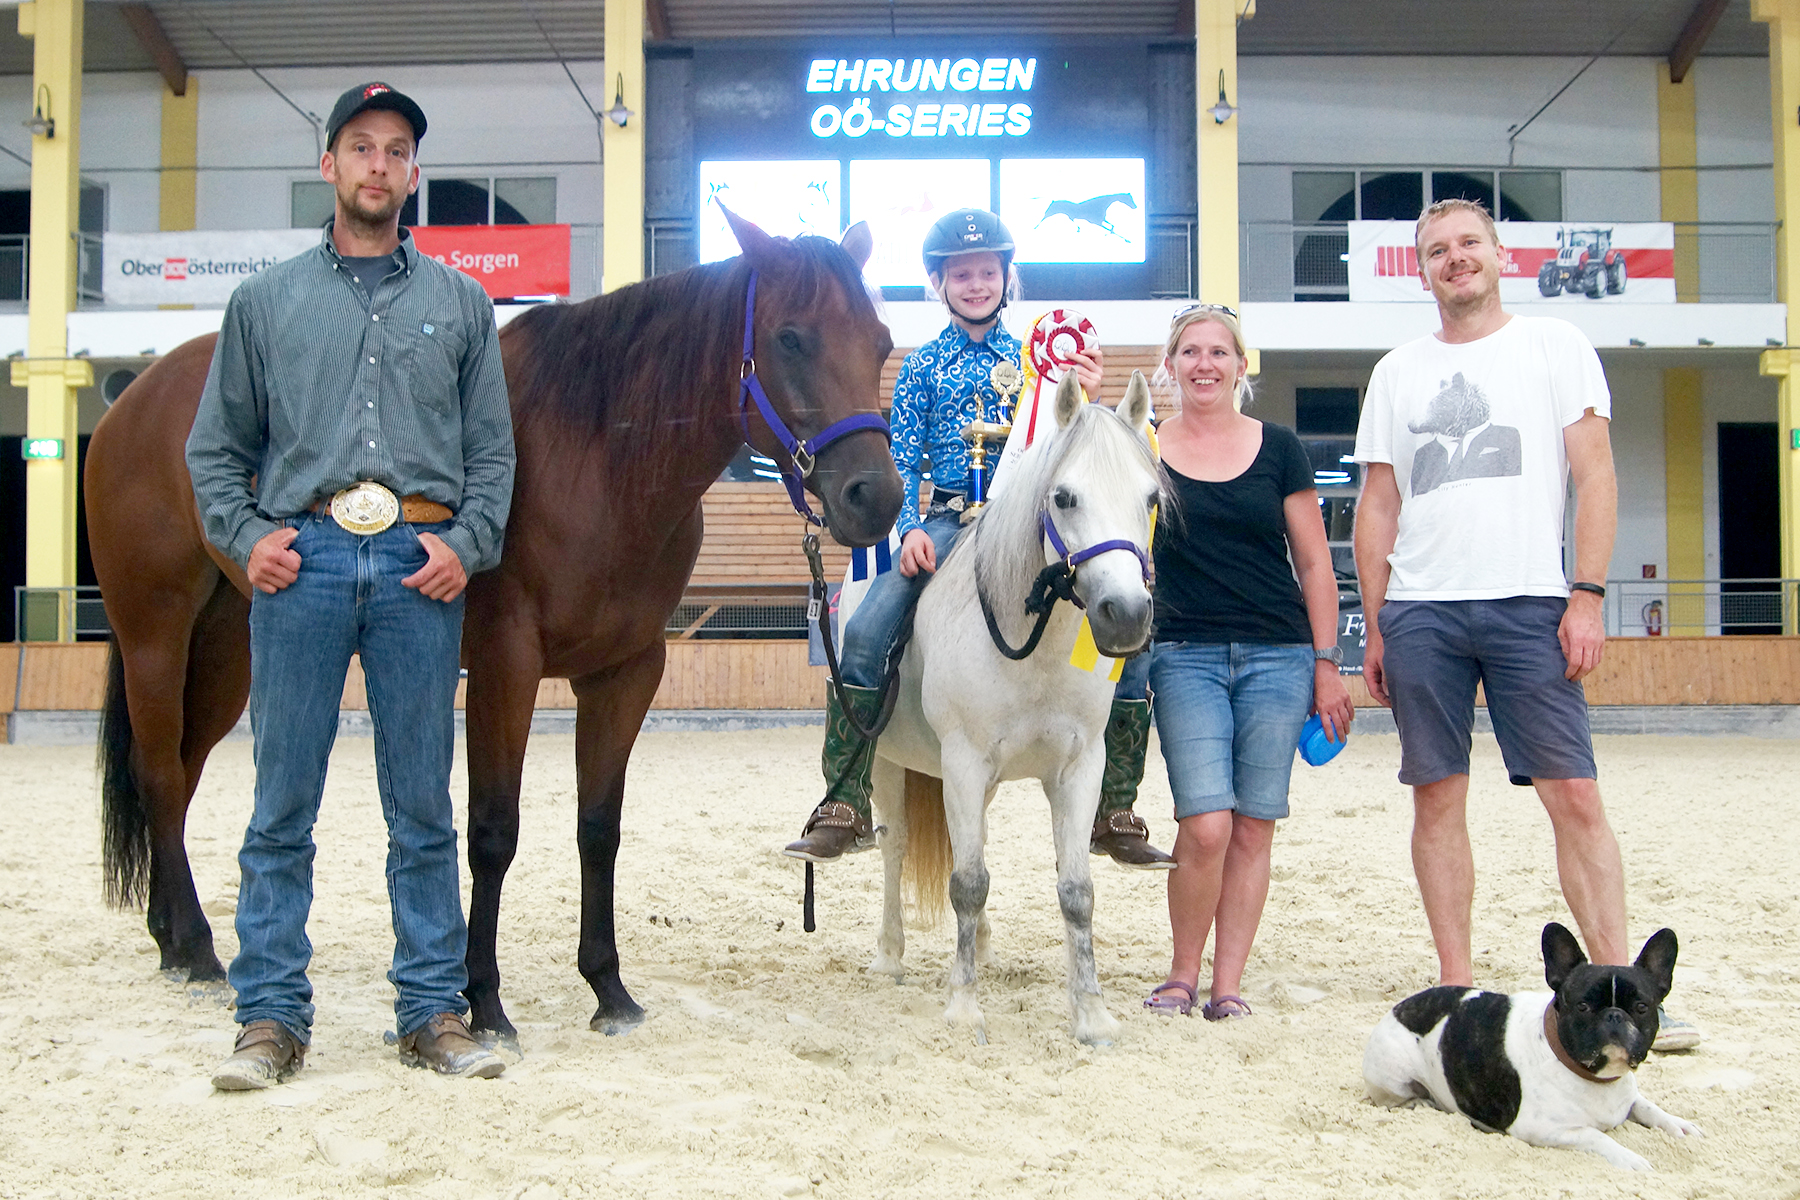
point(1093, 211)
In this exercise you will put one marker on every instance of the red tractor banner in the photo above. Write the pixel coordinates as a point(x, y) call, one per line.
point(1571, 262)
point(508, 260)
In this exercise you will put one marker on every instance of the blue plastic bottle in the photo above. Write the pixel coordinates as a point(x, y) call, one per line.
point(1315, 747)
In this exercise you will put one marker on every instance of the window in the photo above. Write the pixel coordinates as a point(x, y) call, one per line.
point(314, 202)
point(484, 200)
point(1383, 195)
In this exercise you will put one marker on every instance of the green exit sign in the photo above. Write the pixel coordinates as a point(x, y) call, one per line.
point(40, 448)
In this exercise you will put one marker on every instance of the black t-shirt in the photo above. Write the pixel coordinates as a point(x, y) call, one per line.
point(370, 270)
point(1222, 569)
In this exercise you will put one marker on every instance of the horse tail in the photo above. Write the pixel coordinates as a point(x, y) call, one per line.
point(125, 822)
point(927, 872)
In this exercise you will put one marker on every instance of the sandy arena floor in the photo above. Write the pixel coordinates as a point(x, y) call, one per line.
point(771, 1065)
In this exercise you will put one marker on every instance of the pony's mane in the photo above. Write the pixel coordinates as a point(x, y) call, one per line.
point(626, 368)
point(1005, 539)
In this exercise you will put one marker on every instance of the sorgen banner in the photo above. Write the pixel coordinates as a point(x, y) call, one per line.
point(1571, 262)
point(203, 267)
point(193, 267)
point(508, 260)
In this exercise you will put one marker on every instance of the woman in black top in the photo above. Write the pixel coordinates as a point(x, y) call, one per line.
point(1233, 668)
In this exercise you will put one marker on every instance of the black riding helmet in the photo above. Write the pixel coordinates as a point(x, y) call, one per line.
point(967, 231)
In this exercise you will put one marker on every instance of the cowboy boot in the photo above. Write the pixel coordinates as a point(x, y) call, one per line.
point(1117, 830)
point(842, 824)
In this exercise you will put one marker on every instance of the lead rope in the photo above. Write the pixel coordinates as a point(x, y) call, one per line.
point(818, 609)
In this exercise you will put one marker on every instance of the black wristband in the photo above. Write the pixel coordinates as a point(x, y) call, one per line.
point(1589, 587)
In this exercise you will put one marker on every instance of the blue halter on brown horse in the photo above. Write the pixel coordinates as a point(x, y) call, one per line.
point(626, 408)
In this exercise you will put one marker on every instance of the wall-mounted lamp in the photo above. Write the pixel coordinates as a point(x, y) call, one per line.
point(618, 114)
point(1222, 111)
point(42, 124)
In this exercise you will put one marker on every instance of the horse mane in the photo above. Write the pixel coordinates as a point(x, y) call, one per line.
point(635, 370)
point(1005, 540)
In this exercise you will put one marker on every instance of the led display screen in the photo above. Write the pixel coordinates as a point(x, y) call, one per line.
point(1074, 210)
point(783, 198)
point(901, 199)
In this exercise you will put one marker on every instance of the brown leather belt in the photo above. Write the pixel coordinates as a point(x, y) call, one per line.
point(414, 509)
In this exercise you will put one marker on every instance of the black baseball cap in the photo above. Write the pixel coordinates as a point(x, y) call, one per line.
point(362, 98)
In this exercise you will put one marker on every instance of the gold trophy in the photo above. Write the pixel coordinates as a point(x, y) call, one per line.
point(1006, 380)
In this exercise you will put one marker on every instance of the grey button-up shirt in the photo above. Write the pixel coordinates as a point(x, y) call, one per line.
point(314, 386)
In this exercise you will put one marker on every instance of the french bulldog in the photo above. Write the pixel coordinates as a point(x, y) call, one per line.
point(1552, 1069)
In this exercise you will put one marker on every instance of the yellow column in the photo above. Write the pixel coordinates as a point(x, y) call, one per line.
point(180, 154)
point(1680, 181)
point(622, 166)
point(1684, 430)
point(1783, 17)
point(1684, 489)
point(49, 376)
point(1215, 59)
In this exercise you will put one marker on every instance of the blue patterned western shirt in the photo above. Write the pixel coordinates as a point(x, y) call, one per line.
point(942, 386)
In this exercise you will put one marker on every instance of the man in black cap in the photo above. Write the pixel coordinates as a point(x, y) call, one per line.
point(353, 453)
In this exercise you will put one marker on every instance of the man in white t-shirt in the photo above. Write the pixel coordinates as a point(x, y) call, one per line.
point(1468, 440)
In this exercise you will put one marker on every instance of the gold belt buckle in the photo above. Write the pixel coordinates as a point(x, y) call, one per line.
point(366, 508)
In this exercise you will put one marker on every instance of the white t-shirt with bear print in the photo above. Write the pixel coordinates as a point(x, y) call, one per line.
point(1474, 432)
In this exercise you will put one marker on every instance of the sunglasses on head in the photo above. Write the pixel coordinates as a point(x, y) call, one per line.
point(1205, 308)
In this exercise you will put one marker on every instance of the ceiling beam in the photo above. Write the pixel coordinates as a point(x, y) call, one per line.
point(1700, 25)
point(156, 43)
point(656, 20)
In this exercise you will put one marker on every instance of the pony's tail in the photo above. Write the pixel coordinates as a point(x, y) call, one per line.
point(125, 824)
point(926, 876)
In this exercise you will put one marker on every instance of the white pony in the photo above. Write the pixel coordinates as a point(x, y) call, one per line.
point(972, 717)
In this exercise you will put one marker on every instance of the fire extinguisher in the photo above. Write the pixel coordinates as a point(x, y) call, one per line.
point(1653, 618)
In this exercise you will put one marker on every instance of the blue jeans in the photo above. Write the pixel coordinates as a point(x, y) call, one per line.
point(1229, 717)
point(869, 636)
point(876, 622)
point(348, 598)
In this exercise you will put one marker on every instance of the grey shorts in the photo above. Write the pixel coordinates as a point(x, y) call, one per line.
point(1434, 653)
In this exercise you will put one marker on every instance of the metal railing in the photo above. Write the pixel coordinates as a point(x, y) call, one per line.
point(1701, 607)
point(739, 610)
point(1296, 260)
point(58, 614)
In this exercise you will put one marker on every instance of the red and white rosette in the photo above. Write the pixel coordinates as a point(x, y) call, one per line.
point(1056, 338)
point(1050, 350)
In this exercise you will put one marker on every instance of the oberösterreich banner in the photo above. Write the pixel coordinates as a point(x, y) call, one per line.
point(199, 267)
point(202, 267)
point(1567, 262)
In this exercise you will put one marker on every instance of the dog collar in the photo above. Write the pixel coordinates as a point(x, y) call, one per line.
point(1562, 1055)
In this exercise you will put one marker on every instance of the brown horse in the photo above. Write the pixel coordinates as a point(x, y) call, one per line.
point(626, 408)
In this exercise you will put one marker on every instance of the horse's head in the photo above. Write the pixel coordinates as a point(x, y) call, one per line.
point(1102, 489)
point(819, 346)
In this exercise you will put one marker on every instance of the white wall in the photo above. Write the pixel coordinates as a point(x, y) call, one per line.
point(1445, 111)
point(1733, 129)
point(509, 118)
point(121, 142)
point(1451, 112)
point(1637, 445)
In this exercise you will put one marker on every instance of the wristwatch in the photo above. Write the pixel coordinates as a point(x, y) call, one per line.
point(1331, 654)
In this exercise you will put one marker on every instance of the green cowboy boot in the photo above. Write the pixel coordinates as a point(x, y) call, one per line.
point(1117, 830)
point(842, 822)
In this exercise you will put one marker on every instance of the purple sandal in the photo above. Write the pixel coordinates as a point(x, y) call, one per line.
point(1163, 1000)
point(1225, 1008)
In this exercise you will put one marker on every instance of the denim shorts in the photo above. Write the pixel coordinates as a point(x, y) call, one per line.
point(1229, 717)
point(1435, 651)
